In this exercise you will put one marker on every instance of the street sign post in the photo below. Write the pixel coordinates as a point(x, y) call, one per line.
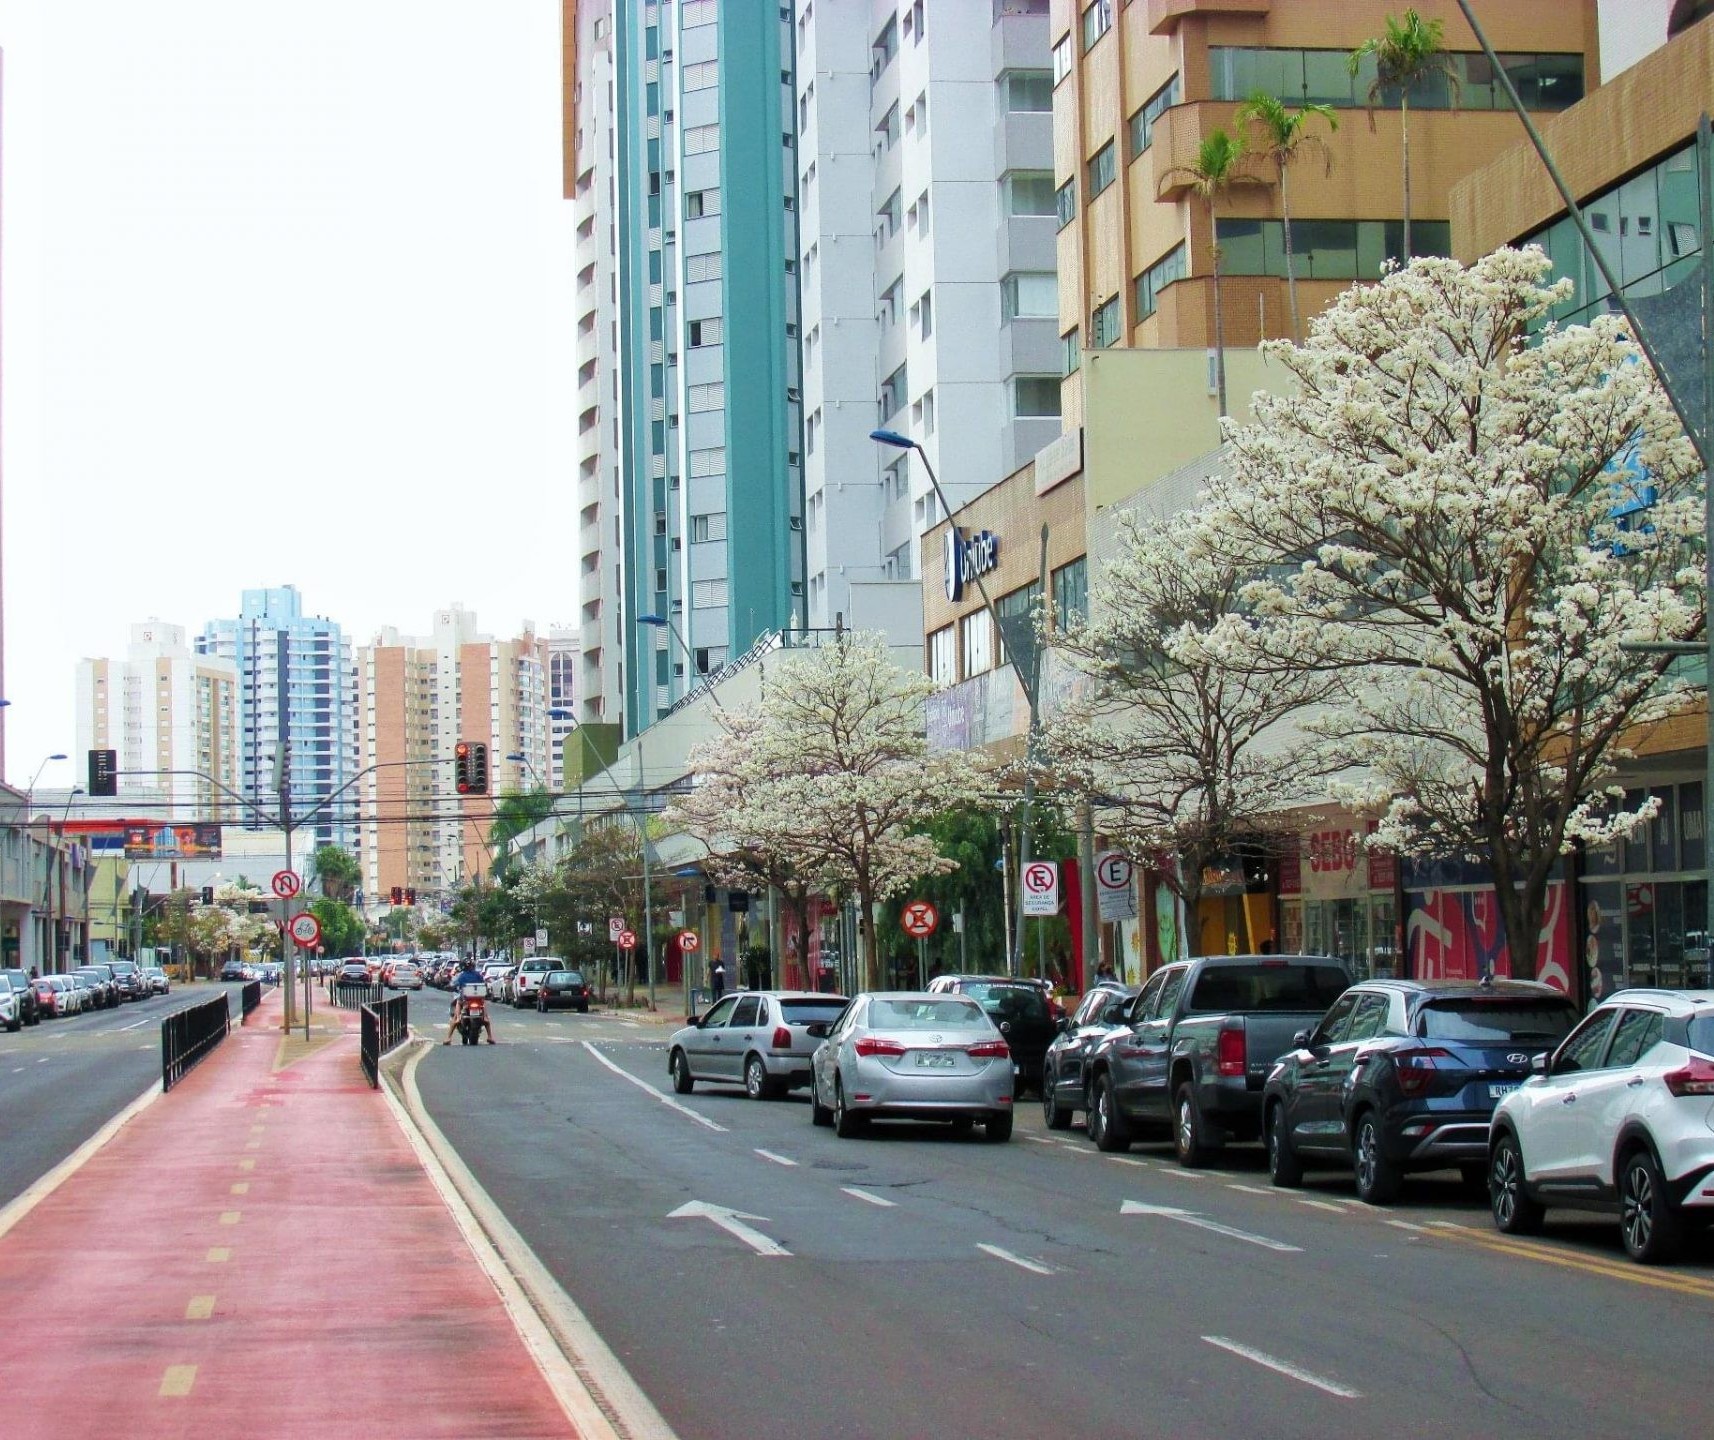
point(919, 919)
point(286, 883)
point(627, 940)
point(1115, 892)
point(529, 944)
point(688, 941)
point(1041, 888)
point(541, 939)
point(305, 929)
point(615, 927)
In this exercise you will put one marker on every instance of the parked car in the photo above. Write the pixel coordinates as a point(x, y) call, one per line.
point(70, 998)
point(101, 978)
point(1197, 1046)
point(1616, 1120)
point(761, 1039)
point(1022, 1011)
point(1098, 1014)
point(352, 972)
point(48, 998)
point(911, 1055)
point(88, 996)
point(1403, 1075)
point(130, 979)
point(529, 975)
point(11, 1005)
point(160, 983)
point(498, 975)
point(28, 1005)
point(563, 989)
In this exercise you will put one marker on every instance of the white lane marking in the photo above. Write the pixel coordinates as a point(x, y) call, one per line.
point(1251, 1189)
point(1322, 1205)
point(732, 1222)
point(1183, 1174)
point(1127, 1160)
point(1406, 1225)
point(777, 1159)
point(880, 1200)
point(44, 1060)
point(1032, 1266)
point(1449, 1225)
point(1076, 1149)
point(1190, 1217)
point(1039, 1140)
point(644, 1085)
point(1280, 1367)
point(136, 1024)
point(629, 1025)
point(19, 1070)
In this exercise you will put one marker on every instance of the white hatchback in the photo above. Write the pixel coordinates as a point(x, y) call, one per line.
point(1620, 1118)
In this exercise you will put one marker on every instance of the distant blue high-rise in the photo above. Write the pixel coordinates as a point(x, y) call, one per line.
point(296, 685)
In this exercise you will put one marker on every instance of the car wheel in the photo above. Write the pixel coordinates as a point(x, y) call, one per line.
point(1106, 1125)
point(845, 1124)
point(683, 1084)
point(1057, 1116)
point(819, 1114)
point(1378, 1178)
point(1189, 1134)
point(1284, 1168)
point(1515, 1213)
point(998, 1129)
point(1647, 1220)
point(14, 1026)
point(756, 1084)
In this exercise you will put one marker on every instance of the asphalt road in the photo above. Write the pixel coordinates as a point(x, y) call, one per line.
point(939, 1285)
point(62, 1080)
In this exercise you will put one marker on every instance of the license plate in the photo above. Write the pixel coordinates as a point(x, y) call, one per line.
point(935, 1062)
point(1496, 1091)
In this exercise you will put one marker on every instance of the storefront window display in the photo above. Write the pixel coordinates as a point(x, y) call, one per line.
point(1453, 929)
point(1337, 897)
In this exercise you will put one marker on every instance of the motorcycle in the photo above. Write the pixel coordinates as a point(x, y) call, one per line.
point(473, 1013)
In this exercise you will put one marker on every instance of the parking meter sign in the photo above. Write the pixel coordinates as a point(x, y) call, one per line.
point(1041, 888)
point(1115, 893)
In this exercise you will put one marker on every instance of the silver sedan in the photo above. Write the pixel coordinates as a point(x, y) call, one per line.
point(912, 1056)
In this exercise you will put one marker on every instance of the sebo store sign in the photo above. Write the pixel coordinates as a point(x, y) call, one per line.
point(966, 559)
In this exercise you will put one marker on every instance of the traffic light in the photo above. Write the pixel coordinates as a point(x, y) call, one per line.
point(103, 772)
point(398, 895)
point(461, 766)
point(208, 894)
point(410, 896)
point(470, 767)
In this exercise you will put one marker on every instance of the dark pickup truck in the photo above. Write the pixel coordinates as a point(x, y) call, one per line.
point(1197, 1045)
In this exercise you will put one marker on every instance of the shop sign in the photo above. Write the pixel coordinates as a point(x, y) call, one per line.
point(1332, 865)
point(968, 559)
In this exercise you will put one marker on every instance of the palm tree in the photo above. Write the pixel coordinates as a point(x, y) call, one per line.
point(1215, 171)
point(1410, 51)
point(1285, 140)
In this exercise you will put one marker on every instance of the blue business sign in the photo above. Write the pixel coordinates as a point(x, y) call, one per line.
point(967, 559)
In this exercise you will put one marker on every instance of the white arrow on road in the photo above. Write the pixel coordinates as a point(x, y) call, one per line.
point(731, 1221)
point(1190, 1217)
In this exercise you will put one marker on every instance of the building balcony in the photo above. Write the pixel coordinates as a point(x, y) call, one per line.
point(1164, 15)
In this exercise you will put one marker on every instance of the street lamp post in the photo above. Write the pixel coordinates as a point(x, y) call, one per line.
point(48, 884)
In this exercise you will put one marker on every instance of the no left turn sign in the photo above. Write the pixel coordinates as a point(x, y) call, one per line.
point(688, 940)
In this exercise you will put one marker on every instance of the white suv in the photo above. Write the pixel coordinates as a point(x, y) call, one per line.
point(1619, 1118)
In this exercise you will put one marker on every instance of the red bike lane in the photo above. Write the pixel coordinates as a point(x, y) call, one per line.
point(260, 1253)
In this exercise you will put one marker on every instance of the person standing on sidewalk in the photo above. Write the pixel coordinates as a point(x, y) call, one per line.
point(717, 977)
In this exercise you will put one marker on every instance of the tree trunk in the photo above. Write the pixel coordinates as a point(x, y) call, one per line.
point(1290, 263)
point(1404, 135)
point(866, 930)
point(1522, 908)
point(1219, 316)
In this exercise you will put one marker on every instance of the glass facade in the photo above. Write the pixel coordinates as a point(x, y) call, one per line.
point(1323, 77)
point(1326, 249)
point(1156, 278)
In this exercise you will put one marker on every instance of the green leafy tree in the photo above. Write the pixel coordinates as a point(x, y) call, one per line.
point(514, 814)
point(1411, 50)
point(342, 928)
point(1285, 139)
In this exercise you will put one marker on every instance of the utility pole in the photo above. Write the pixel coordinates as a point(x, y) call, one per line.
point(283, 788)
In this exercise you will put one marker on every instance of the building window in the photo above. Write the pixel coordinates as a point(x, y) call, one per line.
point(1156, 278)
point(892, 393)
point(697, 12)
point(1070, 352)
point(707, 527)
point(1029, 294)
point(707, 594)
point(1097, 21)
point(942, 657)
point(704, 398)
point(887, 308)
point(707, 332)
point(1142, 127)
point(702, 202)
point(888, 129)
point(976, 636)
point(1035, 396)
point(1105, 324)
point(923, 310)
point(1065, 203)
point(1028, 192)
point(884, 47)
point(1062, 59)
point(1545, 81)
point(1071, 594)
point(701, 139)
point(1102, 169)
point(700, 77)
point(1326, 249)
point(702, 267)
point(1026, 92)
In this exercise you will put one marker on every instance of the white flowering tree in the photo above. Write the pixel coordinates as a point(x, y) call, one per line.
point(1474, 518)
point(1186, 755)
point(831, 776)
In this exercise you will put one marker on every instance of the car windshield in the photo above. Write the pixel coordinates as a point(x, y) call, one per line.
point(1008, 1002)
point(1501, 1022)
point(808, 1012)
point(1267, 985)
point(942, 1012)
point(535, 967)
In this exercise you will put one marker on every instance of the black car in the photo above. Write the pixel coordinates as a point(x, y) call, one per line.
point(1403, 1075)
point(106, 987)
point(130, 979)
point(563, 989)
point(1063, 1092)
point(1020, 1011)
point(30, 1008)
point(232, 970)
point(352, 972)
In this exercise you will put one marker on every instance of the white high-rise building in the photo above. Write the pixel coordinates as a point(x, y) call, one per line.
point(563, 653)
point(172, 716)
point(926, 195)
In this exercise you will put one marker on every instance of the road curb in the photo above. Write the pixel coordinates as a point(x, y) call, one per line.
point(592, 1386)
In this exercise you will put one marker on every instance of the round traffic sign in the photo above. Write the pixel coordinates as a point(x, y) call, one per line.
point(919, 919)
point(1113, 871)
point(689, 940)
point(1040, 879)
point(286, 883)
point(305, 929)
point(627, 939)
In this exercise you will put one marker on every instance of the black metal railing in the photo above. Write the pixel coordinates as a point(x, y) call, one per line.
point(385, 1026)
point(250, 998)
point(189, 1034)
point(350, 995)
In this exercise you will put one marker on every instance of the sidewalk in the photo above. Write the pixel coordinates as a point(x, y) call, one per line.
point(260, 1253)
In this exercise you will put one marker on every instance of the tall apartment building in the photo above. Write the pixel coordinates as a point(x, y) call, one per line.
point(1137, 88)
point(418, 697)
point(563, 655)
point(709, 410)
point(295, 686)
point(591, 184)
point(172, 716)
point(925, 185)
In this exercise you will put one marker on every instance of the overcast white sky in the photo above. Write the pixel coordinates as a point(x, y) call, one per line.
point(286, 299)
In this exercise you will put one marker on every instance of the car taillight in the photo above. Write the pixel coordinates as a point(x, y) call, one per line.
point(1696, 1078)
point(1415, 1068)
point(1229, 1052)
point(990, 1050)
point(869, 1045)
point(782, 1038)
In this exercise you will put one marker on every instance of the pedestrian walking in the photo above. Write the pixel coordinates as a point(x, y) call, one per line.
point(717, 977)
